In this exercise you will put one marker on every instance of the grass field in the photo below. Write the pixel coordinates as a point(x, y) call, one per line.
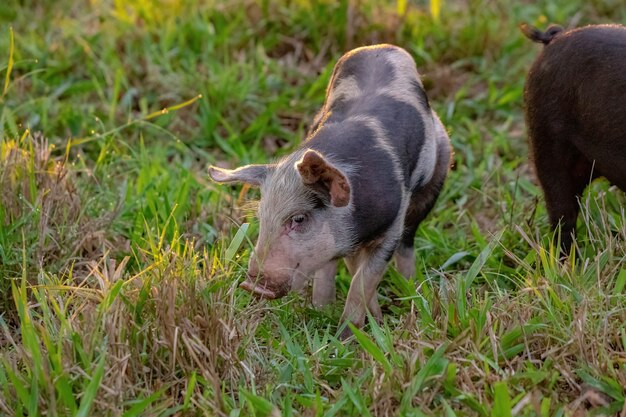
point(119, 260)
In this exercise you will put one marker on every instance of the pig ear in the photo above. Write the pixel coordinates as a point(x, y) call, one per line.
point(317, 171)
point(249, 174)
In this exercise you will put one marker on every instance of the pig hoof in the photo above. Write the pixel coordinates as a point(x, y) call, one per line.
point(345, 334)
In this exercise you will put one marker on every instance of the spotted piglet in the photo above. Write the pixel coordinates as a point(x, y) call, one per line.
point(357, 188)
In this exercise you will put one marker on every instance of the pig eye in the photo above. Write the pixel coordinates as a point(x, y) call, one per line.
point(297, 220)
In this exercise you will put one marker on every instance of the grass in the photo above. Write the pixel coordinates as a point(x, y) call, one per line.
point(119, 261)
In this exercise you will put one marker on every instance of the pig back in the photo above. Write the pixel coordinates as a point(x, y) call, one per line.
point(382, 83)
point(578, 85)
point(377, 123)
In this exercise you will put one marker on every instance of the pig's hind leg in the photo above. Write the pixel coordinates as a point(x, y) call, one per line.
point(420, 205)
point(422, 201)
point(324, 284)
point(563, 173)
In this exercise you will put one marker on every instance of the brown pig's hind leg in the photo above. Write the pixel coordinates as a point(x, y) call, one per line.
point(563, 173)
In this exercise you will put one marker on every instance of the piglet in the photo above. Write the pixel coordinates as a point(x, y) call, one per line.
point(575, 103)
point(357, 188)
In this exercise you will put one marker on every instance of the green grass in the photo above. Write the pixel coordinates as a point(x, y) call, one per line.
point(119, 260)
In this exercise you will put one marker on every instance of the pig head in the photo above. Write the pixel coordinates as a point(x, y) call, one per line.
point(302, 220)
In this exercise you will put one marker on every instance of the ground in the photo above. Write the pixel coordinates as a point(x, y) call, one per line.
point(119, 260)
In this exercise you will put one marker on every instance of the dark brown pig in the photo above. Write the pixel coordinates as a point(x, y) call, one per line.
point(575, 99)
point(357, 188)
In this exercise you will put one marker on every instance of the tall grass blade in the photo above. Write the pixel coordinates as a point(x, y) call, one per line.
point(370, 347)
point(139, 407)
point(92, 388)
point(172, 108)
point(435, 366)
point(501, 401)
point(620, 283)
point(7, 78)
point(190, 387)
point(236, 242)
point(356, 398)
point(466, 282)
point(259, 405)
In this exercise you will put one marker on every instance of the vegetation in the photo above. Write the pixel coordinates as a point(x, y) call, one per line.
point(119, 261)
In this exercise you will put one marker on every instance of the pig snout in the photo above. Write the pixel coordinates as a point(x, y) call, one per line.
point(264, 287)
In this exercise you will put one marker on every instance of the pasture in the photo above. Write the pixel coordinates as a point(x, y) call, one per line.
point(120, 260)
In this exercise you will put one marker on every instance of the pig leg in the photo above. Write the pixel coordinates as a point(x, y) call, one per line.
point(405, 259)
point(367, 268)
point(374, 308)
point(324, 285)
point(422, 201)
point(562, 192)
point(563, 173)
point(372, 305)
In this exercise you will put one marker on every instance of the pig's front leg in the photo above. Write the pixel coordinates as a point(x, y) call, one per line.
point(367, 268)
point(374, 308)
point(405, 261)
point(324, 285)
point(372, 305)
